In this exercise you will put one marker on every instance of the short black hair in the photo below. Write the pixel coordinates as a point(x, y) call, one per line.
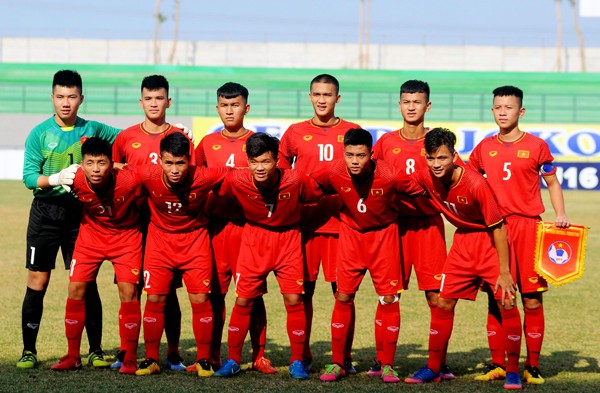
point(357, 137)
point(415, 86)
point(231, 90)
point(177, 144)
point(438, 137)
point(67, 78)
point(504, 91)
point(94, 146)
point(261, 143)
point(155, 82)
point(326, 78)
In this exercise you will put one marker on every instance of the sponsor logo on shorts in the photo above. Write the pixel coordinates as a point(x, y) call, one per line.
point(71, 321)
point(533, 280)
point(33, 325)
point(493, 153)
point(300, 282)
point(52, 145)
point(433, 332)
point(307, 137)
point(298, 332)
point(438, 277)
point(136, 145)
point(514, 337)
point(206, 320)
point(534, 335)
point(206, 282)
point(396, 150)
point(393, 328)
point(149, 319)
point(394, 283)
point(131, 326)
point(523, 153)
point(337, 325)
point(233, 329)
point(216, 147)
point(491, 333)
point(135, 272)
point(378, 322)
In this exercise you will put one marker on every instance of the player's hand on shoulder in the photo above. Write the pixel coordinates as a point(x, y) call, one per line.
point(64, 178)
point(187, 131)
point(562, 222)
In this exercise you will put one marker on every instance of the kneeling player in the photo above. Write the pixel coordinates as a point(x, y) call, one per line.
point(270, 199)
point(109, 231)
point(479, 252)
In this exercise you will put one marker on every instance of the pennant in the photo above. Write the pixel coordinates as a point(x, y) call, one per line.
point(560, 252)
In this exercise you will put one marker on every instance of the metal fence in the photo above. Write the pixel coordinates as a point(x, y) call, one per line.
point(289, 103)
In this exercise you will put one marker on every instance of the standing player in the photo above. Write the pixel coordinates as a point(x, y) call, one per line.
point(227, 148)
point(110, 230)
point(55, 215)
point(177, 241)
point(140, 145)
point(479, 252)
point(310, 146)
point(419, 221)
point(368, 241)
point(512, 161)
point(270, 199)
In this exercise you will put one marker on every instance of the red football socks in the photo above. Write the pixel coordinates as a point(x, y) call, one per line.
point(154, 323)
point(129, 328)
point(534, 334)
point(74, 323)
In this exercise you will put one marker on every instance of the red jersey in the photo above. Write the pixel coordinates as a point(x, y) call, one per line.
point(309, 148)
point(468, 204)
point(275, 208)
point(180, 209)
point(112, 210)
point(136, 146)
point(513, 171)
point(217, 150)
point(367, 204)
point(409, 156)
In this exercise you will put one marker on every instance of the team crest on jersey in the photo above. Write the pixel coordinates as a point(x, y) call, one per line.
point(135, 272)
point(136, 145)
point(396, 150)
point(244, 147)
point(192, 196)
point(216, 147)
point(307, 137)
point(423, 152)
point(52, 145)
point(341, 138)
point(285, 195)
point(376, 191)
point(462, 199)
point(523, 153)
point(493, 153)
point(346, 189)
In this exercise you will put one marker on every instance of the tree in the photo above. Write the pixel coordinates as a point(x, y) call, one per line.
point(559, 35)
point(158, 20)
point(175, 32)
point(579, 35)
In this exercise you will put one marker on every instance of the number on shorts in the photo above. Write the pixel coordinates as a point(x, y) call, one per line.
point(32, 255)
point(72, 268)
point(237, 279)
point(146, 279)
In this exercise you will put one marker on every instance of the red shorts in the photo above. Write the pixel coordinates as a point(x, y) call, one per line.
point(428, 261)
point(522, 238)
point(188, 252)
point(472, 260)
point(377, 251)
point(265, 250)
point(225, 242)
point(320, 248)
point(123, 249)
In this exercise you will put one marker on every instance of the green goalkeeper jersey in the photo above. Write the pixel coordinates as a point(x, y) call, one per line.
point(50, 149)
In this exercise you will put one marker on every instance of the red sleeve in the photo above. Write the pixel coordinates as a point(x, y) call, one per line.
point(200, 154)
point(117, 152)
point(407, 185)
point(378, 149)
point(323, 179)
point(487, 204)
point(286, 150)
point(475, 159)
point(311, 192)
